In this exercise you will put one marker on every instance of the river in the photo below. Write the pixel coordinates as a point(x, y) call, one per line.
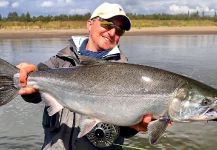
point(191, 55)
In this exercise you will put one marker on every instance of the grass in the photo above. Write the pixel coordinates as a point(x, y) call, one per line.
point(14, 25)
point(43, 25)
point(172, 23)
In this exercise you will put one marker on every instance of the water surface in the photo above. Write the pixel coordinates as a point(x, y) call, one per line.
point(191, 55)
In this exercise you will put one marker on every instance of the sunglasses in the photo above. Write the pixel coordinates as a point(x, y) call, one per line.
point(110, 25)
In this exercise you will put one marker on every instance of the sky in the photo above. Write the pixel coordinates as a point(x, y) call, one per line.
point(57, 7)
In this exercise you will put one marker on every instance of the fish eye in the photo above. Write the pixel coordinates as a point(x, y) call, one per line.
point(205, 102)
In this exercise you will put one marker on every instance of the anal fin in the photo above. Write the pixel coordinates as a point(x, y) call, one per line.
point(53, 105)
point(86, 125)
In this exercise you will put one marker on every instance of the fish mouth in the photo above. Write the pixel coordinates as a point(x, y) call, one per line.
point(209, 114)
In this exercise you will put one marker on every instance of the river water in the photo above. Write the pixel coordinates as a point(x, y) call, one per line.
point(191, 55)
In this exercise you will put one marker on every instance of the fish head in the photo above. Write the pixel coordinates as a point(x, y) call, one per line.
point(197, 102)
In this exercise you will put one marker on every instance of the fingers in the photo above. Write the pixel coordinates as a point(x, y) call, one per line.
point(21, 65)
point(27, 90)
point(23, 77)
point(25, 69)
point(142, 126)
point(147, 118)
point(170, 123)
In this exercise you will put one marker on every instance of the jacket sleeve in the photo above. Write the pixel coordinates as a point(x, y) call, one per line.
point(127, 132)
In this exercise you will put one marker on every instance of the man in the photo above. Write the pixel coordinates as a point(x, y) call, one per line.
point(106, 25)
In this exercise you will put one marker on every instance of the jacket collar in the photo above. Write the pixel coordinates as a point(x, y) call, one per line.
point(79, 41)
point(72, 52)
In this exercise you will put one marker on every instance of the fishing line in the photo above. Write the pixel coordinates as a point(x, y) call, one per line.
point(130, 147)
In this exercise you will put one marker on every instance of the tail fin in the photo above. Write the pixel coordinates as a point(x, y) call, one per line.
point(8, 91)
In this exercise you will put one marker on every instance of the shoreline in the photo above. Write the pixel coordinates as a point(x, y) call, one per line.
point(65, 33)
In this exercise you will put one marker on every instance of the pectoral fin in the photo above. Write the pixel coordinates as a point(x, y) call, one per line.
point(86, 125)
point(52, 102)
point(156, 129)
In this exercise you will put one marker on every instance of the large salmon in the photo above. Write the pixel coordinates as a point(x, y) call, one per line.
point(117, 93)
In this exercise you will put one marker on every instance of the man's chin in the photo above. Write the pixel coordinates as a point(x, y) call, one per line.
point(107, 45)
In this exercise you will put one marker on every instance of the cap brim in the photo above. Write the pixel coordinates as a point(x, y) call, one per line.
point(127, 23)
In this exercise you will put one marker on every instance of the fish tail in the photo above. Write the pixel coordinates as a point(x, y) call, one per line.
point(8, 90)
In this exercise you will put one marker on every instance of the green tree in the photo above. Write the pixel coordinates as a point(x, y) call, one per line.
point(25, 17)
point(28, 17)
point(22, 17)
point(12, 16)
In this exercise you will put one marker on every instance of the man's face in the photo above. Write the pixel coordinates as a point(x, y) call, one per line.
point(102, 37)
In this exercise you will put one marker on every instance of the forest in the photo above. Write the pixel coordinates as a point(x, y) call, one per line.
point(26, 21)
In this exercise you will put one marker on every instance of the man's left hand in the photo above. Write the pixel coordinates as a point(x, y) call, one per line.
point(142, 126)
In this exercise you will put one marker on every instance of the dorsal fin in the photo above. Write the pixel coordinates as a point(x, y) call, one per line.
point(85, 60)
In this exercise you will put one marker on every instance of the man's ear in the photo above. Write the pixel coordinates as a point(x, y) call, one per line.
point(89, 22)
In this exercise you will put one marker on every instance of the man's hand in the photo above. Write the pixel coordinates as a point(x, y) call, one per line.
point(142, 126)
point(25, 69)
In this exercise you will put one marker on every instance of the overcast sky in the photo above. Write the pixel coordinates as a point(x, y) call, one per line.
point(56, 7)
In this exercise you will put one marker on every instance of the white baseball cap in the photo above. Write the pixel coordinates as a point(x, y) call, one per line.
point(109, 10)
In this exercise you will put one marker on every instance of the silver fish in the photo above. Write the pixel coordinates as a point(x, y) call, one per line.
point(117, 93)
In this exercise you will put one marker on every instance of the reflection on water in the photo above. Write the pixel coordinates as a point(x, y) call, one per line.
point(30, 50)
point(192, 55)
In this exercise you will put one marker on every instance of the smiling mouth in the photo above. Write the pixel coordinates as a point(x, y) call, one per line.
point(107, 39)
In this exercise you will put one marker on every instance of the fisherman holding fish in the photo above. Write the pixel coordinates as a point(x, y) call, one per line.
point(106, 25)
point(93, 103)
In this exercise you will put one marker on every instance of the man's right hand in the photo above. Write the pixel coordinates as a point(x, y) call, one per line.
point(25, 69)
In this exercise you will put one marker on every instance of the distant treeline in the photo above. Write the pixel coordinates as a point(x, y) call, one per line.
point(13, 16)
point(26, 17)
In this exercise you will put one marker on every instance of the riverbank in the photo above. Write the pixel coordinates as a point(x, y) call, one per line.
point(64, 33)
